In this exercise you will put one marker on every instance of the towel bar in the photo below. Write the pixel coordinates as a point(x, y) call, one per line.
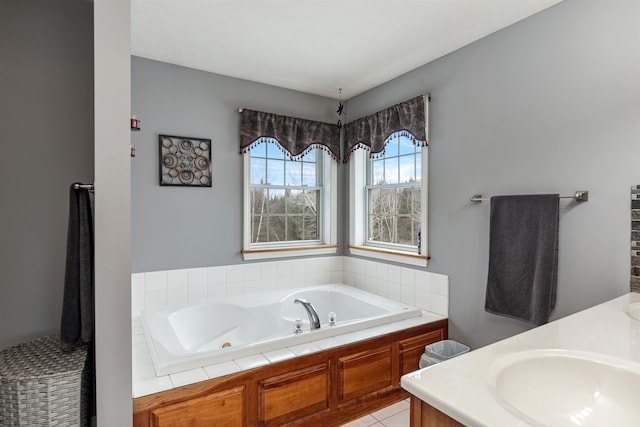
point(77, 186)
point(578, 196)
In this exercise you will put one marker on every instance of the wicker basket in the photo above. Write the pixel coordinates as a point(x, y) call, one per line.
point(42, 384)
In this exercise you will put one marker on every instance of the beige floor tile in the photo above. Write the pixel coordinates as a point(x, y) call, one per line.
point(394, 413)
point(390, 410)
point(398, 420)
point(365, 421)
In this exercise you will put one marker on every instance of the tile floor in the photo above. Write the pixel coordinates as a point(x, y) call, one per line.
point(396, 415)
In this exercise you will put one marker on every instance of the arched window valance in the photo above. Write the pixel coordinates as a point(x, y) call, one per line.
point(295, 136)
point(371, 132)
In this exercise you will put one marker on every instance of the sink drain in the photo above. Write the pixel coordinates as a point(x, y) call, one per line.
point(225, 345)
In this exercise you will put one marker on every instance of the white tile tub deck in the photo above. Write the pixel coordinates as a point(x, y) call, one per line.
point(146, 382)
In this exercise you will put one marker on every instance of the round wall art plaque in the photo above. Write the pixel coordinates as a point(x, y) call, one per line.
point(185, 161)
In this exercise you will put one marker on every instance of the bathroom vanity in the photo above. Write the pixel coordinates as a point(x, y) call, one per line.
point(583, 369)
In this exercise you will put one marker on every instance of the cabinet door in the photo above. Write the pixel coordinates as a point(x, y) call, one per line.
point(288, 397)
point(364, 372)
point(412, 348)
point(425, 415)
point(224, 408)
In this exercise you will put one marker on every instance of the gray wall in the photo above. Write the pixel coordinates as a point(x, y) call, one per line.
point(547, 105)
point(181, 227)
point(46, 129)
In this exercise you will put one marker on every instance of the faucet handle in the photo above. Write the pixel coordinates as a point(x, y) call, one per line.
point(297, 324)
point(332, 319)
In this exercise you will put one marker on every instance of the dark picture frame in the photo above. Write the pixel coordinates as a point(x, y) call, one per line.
point(184, 161)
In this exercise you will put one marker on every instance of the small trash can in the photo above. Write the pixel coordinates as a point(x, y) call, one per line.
point(440, 351)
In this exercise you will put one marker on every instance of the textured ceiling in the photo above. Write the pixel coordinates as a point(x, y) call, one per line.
point(315, 46)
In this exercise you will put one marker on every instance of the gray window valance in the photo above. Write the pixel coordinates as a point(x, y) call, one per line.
point(295, 136)
point(371, 132)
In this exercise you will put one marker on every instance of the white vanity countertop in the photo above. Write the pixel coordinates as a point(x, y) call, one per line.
point(460, 387)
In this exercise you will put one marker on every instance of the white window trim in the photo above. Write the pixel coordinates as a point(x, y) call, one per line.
point(358, 214)
point(358, 218)
point(329, 244)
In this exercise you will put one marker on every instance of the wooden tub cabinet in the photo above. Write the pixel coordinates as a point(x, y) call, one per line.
point(327, 388)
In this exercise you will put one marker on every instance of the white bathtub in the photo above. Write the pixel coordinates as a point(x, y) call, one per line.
point(200, 335)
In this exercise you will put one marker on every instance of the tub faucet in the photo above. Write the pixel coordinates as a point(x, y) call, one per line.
point(314, 320)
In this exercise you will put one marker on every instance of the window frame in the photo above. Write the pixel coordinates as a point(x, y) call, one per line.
point(358, 223)
point(370, 185)
point(327, 244)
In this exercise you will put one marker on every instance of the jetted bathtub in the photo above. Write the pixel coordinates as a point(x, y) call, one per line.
point(201, 335)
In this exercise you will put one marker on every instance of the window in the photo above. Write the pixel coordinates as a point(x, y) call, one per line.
point(388, 190)
point(389, 202)
point(394, 196)
point(286, 196)
point(289, 204)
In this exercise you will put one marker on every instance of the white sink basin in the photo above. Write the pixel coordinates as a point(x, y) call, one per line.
point(561, 388)
point(633, 310)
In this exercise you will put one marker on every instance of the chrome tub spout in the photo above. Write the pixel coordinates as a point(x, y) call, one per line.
point(314, 320)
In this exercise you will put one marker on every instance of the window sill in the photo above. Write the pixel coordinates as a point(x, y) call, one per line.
point(290, 251)
point(390, 255)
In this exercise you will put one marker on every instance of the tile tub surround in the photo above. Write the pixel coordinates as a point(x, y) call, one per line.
point(460, 387)
point(429, 291)
point(159, 289)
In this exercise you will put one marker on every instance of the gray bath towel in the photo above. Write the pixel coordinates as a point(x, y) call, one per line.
point(523, 257)
point(77, 306)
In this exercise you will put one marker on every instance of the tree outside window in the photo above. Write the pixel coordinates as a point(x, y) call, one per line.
point(285, 195)
point(393, 193)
